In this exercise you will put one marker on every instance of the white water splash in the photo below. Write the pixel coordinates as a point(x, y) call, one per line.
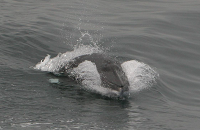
point(54, 64)
point(140, 75)
point(87, 71)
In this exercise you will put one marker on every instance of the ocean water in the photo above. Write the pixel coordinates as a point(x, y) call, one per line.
point(161, 38)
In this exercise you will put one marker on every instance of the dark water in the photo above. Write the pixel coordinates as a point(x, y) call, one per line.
point(163, 34)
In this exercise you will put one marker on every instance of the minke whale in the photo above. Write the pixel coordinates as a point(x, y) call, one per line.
point(111, 73)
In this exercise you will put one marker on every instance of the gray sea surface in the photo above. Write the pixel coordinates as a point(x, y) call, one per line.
point(162, 34)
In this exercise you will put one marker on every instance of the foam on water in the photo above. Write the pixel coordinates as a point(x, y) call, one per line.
point(54, 64)
point(140, 76)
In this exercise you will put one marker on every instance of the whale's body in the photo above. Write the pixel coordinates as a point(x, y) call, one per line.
point(110, 71)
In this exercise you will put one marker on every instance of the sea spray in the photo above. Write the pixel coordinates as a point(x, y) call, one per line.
point(54, 64)
point(140, 75)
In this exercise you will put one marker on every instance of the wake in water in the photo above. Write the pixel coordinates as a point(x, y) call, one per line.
point(138, 75)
